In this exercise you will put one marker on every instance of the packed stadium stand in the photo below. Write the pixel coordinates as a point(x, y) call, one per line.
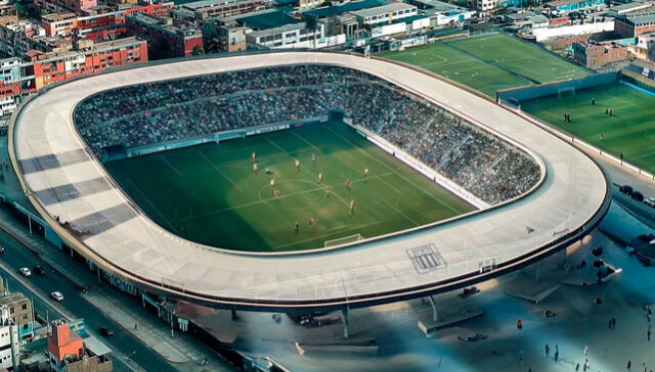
point(138, 115)
point(50, 157)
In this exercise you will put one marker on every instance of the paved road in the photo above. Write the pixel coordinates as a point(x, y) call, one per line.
point(39, 287)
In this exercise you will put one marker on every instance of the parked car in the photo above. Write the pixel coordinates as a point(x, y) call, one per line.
point(39, 270)
point(106, 332)
point(57, 295)
point(636, 195)
point(25, 271)
point(650, 202)
point(626, 189)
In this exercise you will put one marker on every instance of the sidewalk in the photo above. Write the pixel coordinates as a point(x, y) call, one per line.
point(184, 351)
point(157, 337)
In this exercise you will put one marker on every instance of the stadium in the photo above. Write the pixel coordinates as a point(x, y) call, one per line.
point(460, 190)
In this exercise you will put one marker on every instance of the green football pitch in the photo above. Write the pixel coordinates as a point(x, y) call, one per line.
point(629, 131)
point(489, 63)
point(210, 193)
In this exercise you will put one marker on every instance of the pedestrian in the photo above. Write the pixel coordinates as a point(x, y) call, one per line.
point(556, 355)
point(577, 367)
point(585, 350)
point(607, 111)
point(547, 350)
point(613, 322)
point(593, 101)
point(611, 112)
point(629, 365)
point(609, 324)
point(586, 365)
point(136, 326)
point(649, 334)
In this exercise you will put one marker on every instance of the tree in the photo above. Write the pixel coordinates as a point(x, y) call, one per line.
point(197, 51)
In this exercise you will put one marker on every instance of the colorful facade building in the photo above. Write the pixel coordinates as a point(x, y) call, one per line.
point(164, 38)
point(103, 26)
point(89, 58)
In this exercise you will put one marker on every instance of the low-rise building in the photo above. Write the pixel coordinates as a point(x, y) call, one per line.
point(635, 6)
point(443, 13)
point(566, 6)
point(527, 19)
point(165, 40)
point(89, 57)
point(20, 311)
point(595, 55)
point(59, 24)
point(9, 84)
point(19, 37)
point(68, 352)
point(196, 12)
point(112, 25)
point(9, 341)
point(634, 24)
point(275, 29)
point(385, 14)
point(486, 6)
point(57, 6)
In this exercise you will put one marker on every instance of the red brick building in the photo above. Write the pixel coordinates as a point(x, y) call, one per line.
point(635, 24)
point(164, 39)
point(594, 55)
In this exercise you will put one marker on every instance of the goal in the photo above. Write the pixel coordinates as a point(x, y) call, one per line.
point(344, 240)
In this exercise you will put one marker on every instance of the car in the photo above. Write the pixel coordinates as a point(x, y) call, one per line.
point(25, 271)
point(39, 270)
point(106, 332)
point(636, 195)
point(626, 189)
point(57, 295)
point(650, 202)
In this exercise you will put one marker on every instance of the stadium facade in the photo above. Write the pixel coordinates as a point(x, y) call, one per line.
point(51, 158)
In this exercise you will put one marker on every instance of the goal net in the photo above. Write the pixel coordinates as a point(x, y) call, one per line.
point(566, 92)
point(344, 240)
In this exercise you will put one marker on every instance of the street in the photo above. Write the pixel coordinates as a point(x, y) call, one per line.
point(38, 288)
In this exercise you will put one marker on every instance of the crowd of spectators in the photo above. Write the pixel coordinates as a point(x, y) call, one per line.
point(152, 113)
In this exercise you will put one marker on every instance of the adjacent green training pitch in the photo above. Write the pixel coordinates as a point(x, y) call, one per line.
point(629, 131)
point(210, 193)
point(489, 63)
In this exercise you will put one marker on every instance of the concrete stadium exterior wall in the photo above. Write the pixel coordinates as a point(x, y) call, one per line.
point(476, 247)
